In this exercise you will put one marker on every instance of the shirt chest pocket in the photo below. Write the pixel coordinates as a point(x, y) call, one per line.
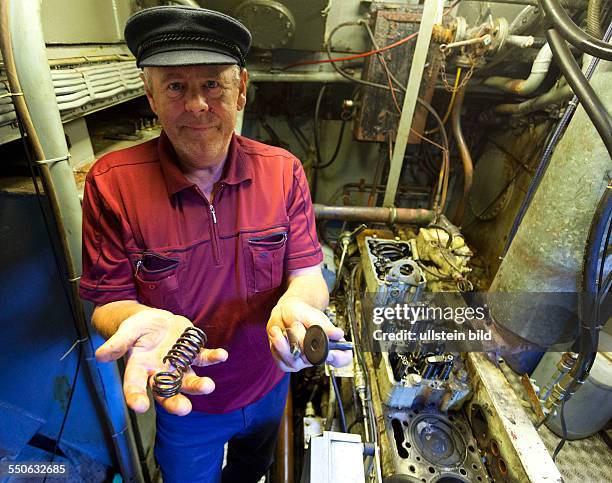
point(264, 255)
point(157, 280)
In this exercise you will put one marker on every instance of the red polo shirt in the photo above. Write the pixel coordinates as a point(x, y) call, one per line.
point(150, 235)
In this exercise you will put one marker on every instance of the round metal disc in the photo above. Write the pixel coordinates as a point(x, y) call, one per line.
point(316, 345)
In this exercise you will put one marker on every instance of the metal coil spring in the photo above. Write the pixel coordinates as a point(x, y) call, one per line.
point(180, 356)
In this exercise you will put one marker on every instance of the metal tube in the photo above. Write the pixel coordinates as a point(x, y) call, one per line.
point(539, 69)
point(374, 214)
point(29, 73)
point(261, 76)
point(284, 449)
point(431, 11)
point(553, 96)
point(466, 157)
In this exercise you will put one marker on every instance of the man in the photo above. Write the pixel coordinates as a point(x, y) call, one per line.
point(203, 227)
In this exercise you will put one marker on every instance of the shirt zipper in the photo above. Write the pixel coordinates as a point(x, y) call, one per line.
point(215, 228)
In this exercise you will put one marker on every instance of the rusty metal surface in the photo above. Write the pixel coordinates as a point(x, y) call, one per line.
point(377, 113)
point(512, 447)
point(374, 214)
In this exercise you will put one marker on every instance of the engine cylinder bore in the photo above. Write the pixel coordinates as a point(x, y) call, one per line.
point(438, 441)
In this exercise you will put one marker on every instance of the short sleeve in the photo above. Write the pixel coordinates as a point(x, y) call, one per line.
point(107, 271)
point(303, 248)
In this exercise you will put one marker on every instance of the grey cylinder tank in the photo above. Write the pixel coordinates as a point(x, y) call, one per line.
point(590, 408)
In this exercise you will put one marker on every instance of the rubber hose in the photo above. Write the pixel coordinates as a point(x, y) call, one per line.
point(574, 34)
point(581, 87)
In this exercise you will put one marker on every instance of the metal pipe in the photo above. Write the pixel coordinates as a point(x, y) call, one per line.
point(466, 157)
point(284, 448)
point(374, 214)
point(574, 34)
point(553, 96)
point(431, 11)
point(261, 76)
point(520, 41)
point(539, 69)
point(28, 74)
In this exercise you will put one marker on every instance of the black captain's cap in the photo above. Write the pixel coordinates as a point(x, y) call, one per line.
point(179, 35)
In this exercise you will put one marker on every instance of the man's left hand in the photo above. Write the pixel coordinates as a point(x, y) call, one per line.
point(295, 314)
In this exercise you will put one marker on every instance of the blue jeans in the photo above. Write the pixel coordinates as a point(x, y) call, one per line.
point(190, 448)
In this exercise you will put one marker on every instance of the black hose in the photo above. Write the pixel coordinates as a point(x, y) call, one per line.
point(320, 163)
point(563, 431)
point(574, 34)
point(593, 294)
point(581, 87)
point(340, 405)
point(548, 152)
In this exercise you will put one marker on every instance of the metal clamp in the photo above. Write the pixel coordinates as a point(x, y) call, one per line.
point(11, 94)
point(54, 160)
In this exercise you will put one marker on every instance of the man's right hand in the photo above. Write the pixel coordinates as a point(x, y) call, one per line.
point(146, 338)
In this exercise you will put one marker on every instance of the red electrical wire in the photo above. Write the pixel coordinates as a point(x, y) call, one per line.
point(356, 56)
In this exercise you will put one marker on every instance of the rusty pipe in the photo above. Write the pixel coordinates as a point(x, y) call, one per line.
point(376, 214)
point(466, 157)
point(284, 448)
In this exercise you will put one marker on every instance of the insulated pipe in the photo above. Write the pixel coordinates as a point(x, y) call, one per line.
point(28, 73)
point(374, 214)
point(466, 157)
point(574, 34)
point(580, 85)
point(539, 69)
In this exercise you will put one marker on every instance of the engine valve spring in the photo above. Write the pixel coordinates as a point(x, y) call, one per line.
point(180, 356)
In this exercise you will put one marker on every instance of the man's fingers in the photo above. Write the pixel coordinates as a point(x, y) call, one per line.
point(282, 352)
point(178, 405)
point(118, 344)
point(195, 385)
point(339, 358)
point(207, 357)
point(135, 386)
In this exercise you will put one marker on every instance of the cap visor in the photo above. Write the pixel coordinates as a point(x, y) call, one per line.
point(186, 57)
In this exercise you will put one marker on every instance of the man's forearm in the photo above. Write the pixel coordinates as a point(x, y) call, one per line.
point(108, 317)
point(309, 288)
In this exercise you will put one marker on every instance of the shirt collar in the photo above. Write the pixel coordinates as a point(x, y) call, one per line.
point(237, 168)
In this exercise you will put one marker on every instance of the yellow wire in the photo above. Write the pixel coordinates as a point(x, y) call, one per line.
point(452, 99)
point(451, 103)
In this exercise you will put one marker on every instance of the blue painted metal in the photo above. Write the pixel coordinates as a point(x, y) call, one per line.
point(37, 329)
